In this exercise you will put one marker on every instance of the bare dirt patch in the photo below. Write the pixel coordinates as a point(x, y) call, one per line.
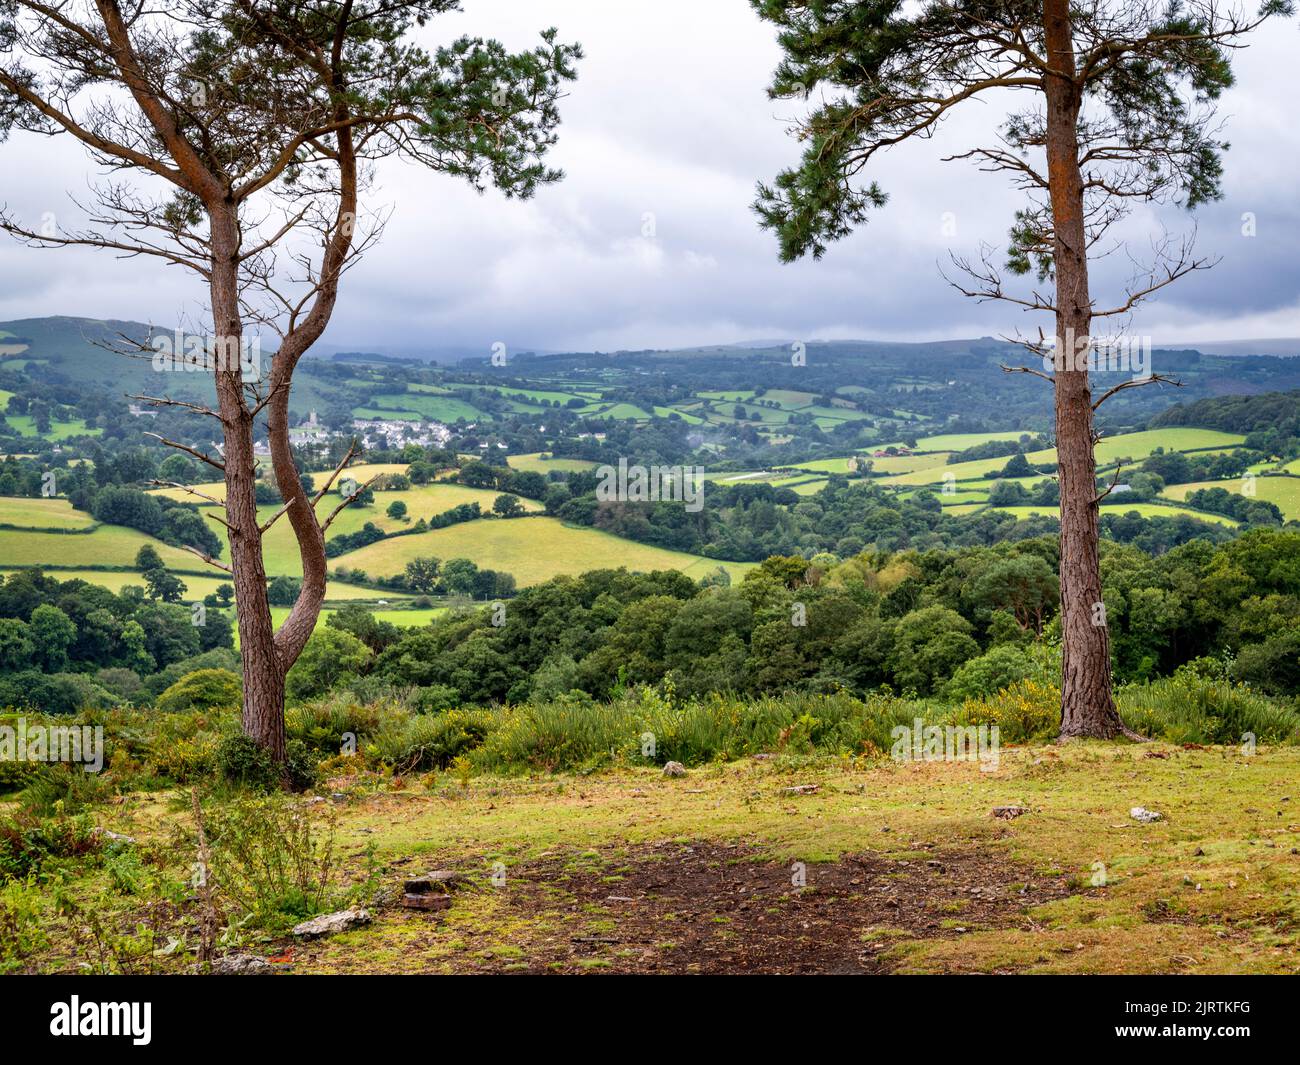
point(707, 907)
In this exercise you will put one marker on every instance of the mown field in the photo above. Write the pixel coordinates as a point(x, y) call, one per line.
point(1134, 446)
point(1283, 492)
point(360, 473)
point(540, 462)
point(42, 513)
point(1147, 510)
point(108, 545)
point(533, 549)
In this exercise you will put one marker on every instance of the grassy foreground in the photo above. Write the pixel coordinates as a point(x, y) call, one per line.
point(906, 869)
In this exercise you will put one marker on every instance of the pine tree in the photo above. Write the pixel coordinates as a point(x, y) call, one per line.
point(1119, 109)
point(238, 129)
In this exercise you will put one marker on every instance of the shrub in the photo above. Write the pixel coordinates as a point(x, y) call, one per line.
point(59, 788)
point(1189, 708)
point(21, 932)
point(998, 668)
point(27, 843)
point(1025, 712)
point(430, 741)
point(243, 762)
point(270, 860)
point(204, 689)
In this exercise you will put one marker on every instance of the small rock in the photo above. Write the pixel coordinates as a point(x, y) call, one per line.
point(440, 880)
point(425, 901)
point(113, 837)
point(1009, 813)
point(330, 923)
point(762, 757)
point(674, 769)
point(241, 965)
point(801, 789)
point(1141, 813)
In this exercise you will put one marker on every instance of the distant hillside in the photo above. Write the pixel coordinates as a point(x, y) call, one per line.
point(75, 346)
point(88, 353)
point(1238, 414)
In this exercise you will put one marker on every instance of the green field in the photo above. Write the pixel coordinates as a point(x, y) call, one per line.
point(435, 407)
point(109, 545)
point(616, 411)
point(42, 513)
point(1283, 492)
point(25, 425)
point(360, 473)
point(280, 546)
point(1134, 446)
point(405, 618)
point(961, 441)
point(533, 549)
point(892, 464)
point(1147, 510)
point(535, 463)
point(848, 464)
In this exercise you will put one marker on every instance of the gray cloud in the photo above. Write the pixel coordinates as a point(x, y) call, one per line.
point(669, 124)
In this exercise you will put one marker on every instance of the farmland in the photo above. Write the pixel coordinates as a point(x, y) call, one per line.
point(42, 513)
point(533, 549)
point(1284, 492)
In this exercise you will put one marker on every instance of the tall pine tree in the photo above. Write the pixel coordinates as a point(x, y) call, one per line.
point(1119, 109)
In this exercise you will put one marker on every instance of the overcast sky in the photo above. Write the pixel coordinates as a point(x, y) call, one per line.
point(669, 120)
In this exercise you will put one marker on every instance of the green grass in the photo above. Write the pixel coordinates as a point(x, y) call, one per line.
point(533, 549)
point(42, 513)
point(1147, 510)
point(961, 441)
point(437, 408)
point(536, 463)
point(25, 425)
point(405, 618)
point(894, 464)
point(846, 464)
point(1283, 492)
point(360, 473)
point(1134, 446)
point(280, 547)
point(108, 545)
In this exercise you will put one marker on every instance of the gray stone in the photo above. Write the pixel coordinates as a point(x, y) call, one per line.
point(113, 837)
point(1009, 813)
point(241, 965)
point(440, 880)
point(674, 769)
point(328, 924)
point(1141, 813)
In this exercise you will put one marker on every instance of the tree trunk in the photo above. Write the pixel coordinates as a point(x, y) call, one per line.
point(1087, 706)
point(263, 714)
